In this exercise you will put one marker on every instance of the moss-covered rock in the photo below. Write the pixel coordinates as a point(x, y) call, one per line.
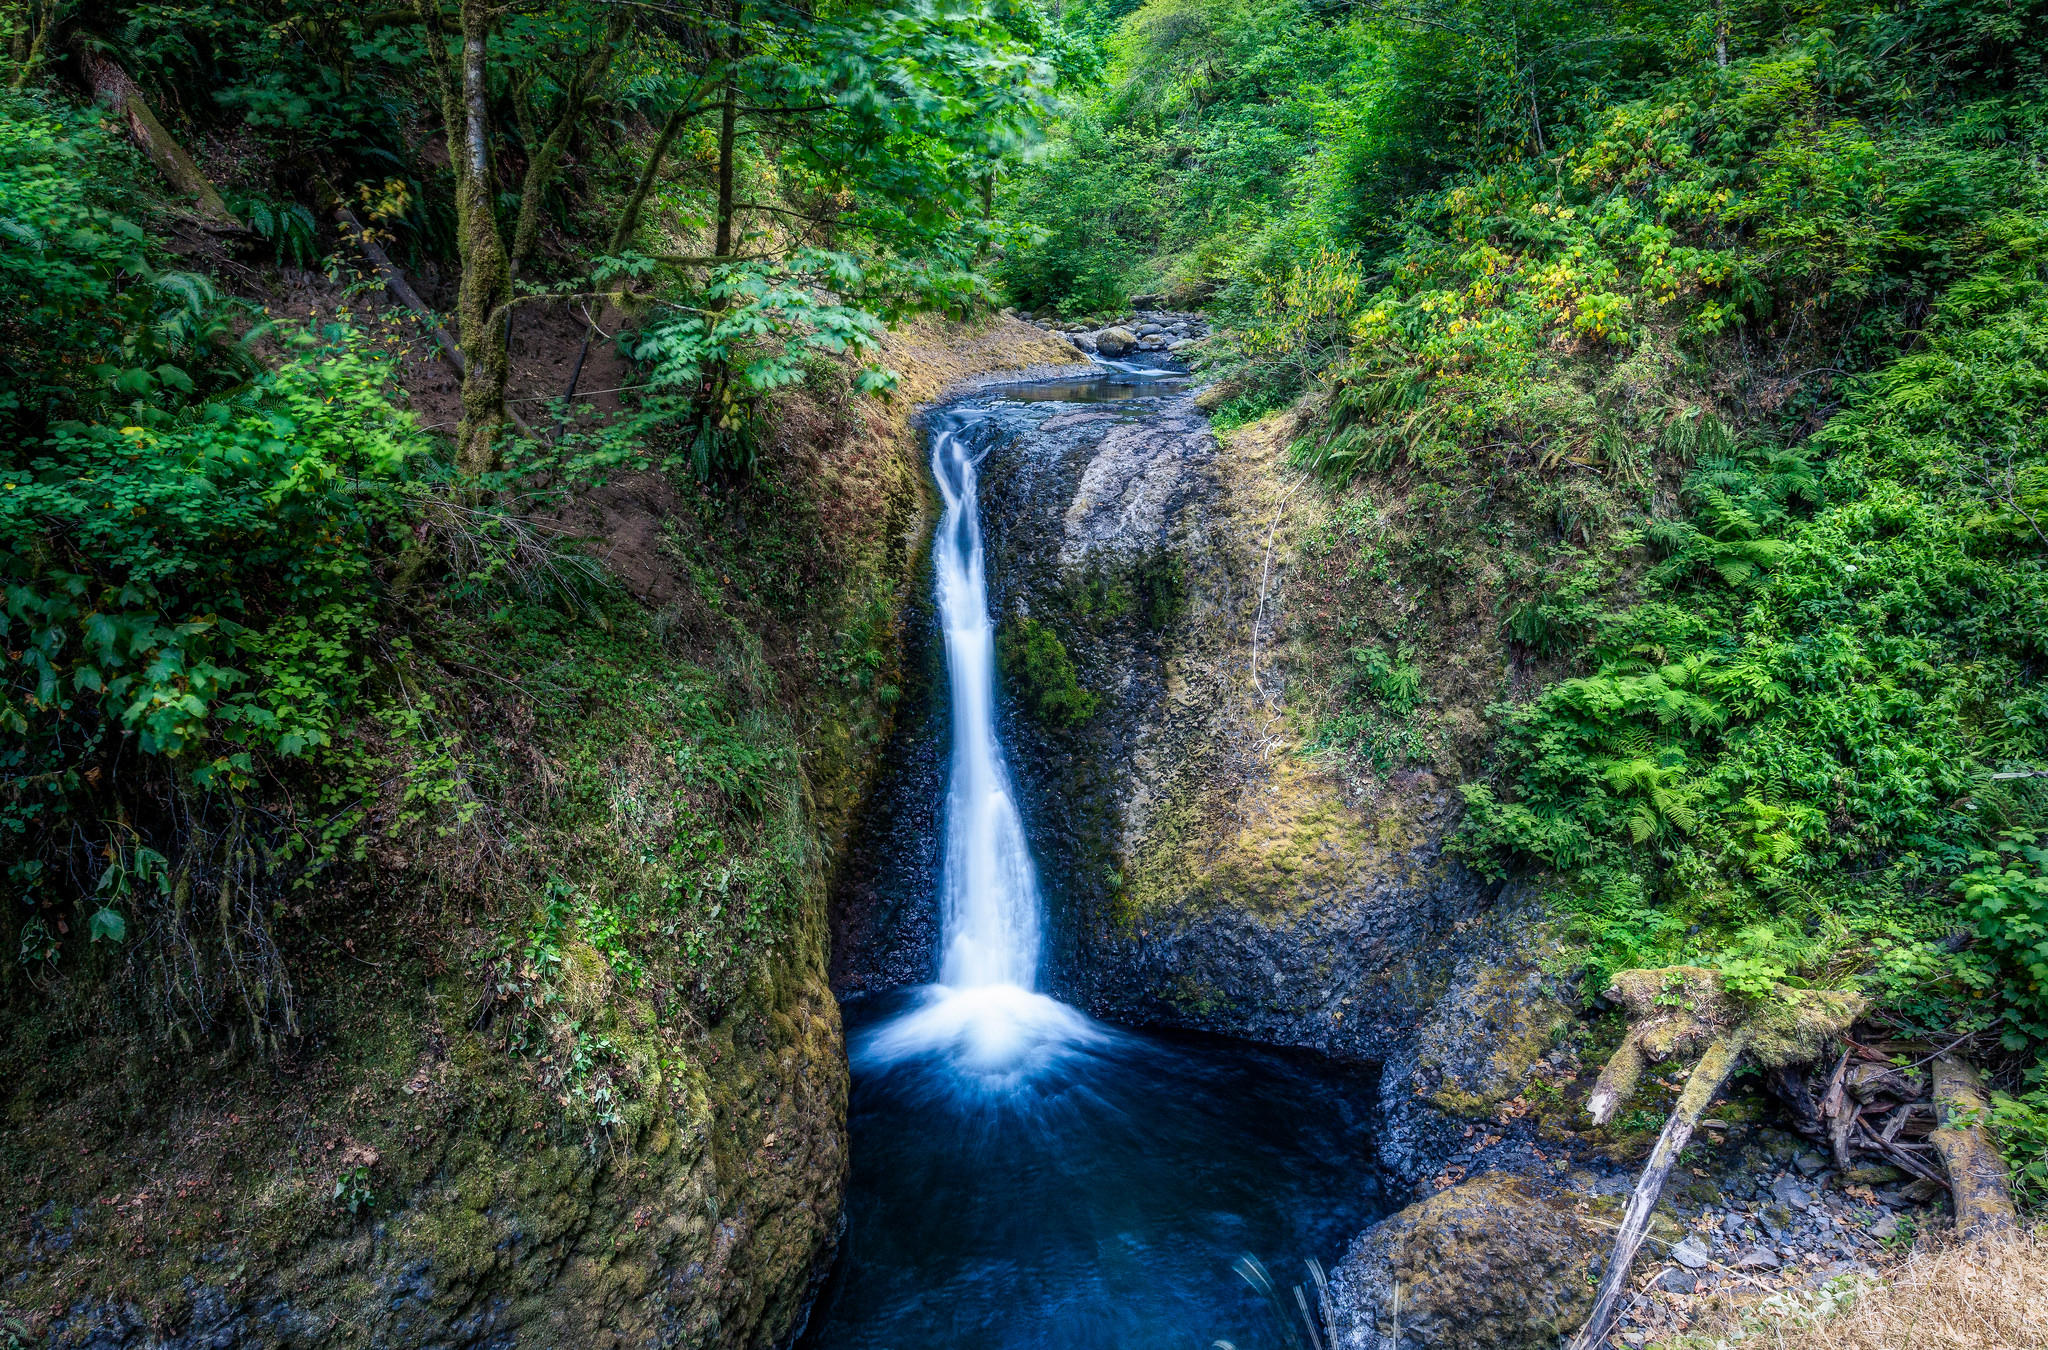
point(1489, 1264)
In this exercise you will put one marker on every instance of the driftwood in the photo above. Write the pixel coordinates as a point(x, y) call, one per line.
point(112, 86)
point(1977, 1176)
point(1707, 1077)
point(1682, 1009)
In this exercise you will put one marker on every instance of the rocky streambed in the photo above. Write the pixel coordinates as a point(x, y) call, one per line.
point(1144, 331)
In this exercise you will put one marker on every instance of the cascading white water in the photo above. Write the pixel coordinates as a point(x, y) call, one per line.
point(985, 1014)
point(988, 887)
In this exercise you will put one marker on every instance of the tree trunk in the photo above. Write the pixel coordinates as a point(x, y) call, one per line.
point(541, 168)
point(486, 272)
point(39, 18)
point(112, 87)
point(629, 219)
point(1707, 1077)
point(1721, 33)
point(728, 123)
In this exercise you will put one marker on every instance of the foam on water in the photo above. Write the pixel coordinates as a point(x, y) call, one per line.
point(984, 1016)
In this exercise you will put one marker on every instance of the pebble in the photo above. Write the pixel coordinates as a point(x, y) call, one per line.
point(1790, 1193)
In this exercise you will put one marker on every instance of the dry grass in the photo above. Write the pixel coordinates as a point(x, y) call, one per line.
point(1991, 1294)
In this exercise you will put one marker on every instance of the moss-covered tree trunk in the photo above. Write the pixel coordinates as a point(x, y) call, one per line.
point(486, 269)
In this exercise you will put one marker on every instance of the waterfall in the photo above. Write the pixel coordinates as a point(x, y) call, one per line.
point(984, 1014)
point(990, 904)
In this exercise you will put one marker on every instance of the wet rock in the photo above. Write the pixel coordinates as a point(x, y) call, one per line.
point(1115, 341)
point(1485, 1265)
point(1925, 1191)
point(1787, 1191)
point(1085, 341)
point(1124, 503)
point(1479, 1042)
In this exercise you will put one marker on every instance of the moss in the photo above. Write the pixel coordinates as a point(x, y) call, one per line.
point(1037, 663)
point(1272, 847)
point(1485, 1041)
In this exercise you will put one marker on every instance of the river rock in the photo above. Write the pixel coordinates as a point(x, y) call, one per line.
point(1085, 341)
point(1484, 1265)
point(1115, 341)
point(1677, 1280)
point(1787, 1191)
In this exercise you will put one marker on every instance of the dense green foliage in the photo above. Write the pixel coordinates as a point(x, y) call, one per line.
point(1038, 663)
point(1704, 348)
point(263, 635)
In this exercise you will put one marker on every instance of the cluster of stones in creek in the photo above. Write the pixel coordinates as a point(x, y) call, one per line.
point(1143, 330)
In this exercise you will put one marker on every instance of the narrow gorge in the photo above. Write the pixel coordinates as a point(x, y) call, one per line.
point(1100, 675)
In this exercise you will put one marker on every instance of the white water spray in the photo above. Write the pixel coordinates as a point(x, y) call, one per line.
point(985, 1013)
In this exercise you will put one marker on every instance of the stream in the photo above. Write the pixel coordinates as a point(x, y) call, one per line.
point(1022, 1174)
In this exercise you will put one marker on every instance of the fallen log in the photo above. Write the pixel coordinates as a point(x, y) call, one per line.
point(401, 290)
point(112, 87)
point(1977, 1176)
point(1707, 1077)
point(1683, 1008)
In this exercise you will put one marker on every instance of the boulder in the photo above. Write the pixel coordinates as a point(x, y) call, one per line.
point(1485, 1265)
point(1148, 329)
point(1115, 341)
point(1085, 341)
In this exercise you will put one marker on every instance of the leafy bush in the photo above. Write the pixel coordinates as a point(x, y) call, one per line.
point(1786, 738)
point(2006, 896)
point(188, 541)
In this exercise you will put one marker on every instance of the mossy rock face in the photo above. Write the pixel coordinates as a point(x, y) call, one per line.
point(1207, 867)
point(1484, 1037)
point(1489, 1264)
point(418, 1185)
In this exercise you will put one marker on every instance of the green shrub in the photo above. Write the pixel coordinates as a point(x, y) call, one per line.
point(1775, 760)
